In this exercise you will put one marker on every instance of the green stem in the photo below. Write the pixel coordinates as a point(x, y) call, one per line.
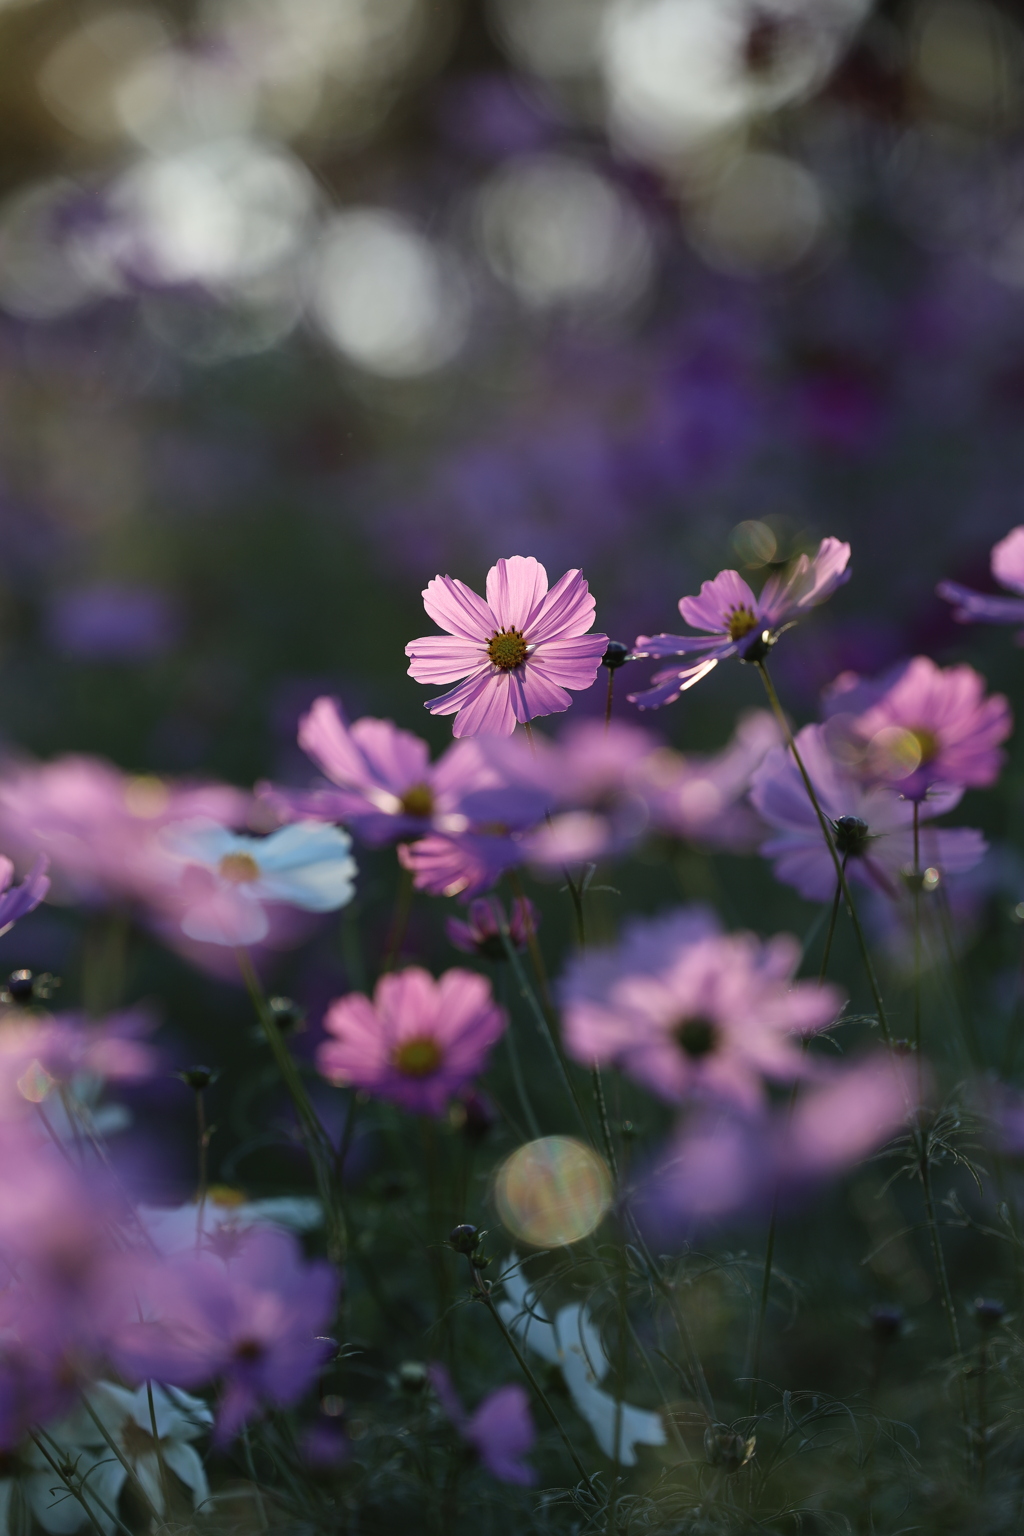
point(399, 919)
point(608, 701)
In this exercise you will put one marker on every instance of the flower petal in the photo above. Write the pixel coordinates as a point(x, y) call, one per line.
point(572, 661)
point(458, 609)
point(716, 599)
point(444, 658)
point(515, 589)
point(568, 609)
point(534, 693)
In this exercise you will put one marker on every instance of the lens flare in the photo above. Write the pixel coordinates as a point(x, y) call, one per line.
point(553, 1191)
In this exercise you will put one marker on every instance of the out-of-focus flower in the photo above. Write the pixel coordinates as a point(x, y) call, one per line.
point(518, 652)
point(981, 607)
point(226, 1213)
point(739, 623)
point(18, 900)
point(500, 1431)
point(387, 788)
point(722, 1166)
point(872, 824)
point(419, 1042)
point(227, 878)
point(112, 622)
point(711, 1016)
point(99, 827)
point(250, 1320)
point(467, 863)
point(481, 935)
point(153, 1436)
point(932, 726)
point(41, 1055)
point(703, 797)
point(573, 1343)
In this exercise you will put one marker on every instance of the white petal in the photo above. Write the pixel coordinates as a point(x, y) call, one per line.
point(319, 887)
point(298, 844)
point(637, 1426)
point(577, 1331)
point(205, 842)
point(184, 1462)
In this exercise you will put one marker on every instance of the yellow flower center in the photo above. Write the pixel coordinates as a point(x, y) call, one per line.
point(507, 649)
point(741, 621)
point(418, 1057)
point(418, 800)
point(927, 744)
point(238, 869)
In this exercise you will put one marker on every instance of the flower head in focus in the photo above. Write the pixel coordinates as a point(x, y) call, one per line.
point(737, 622)
point(500, 1431)
point(226, 878)
point(417, 1042)
point(872, 824)
point(383, 784)
point(1007, 563)
point(931, 726)
point(251, 1320)
point(710, 1015)
point(517, 652)
point(481, 935)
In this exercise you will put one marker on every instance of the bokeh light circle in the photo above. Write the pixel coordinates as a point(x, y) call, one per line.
point(553, 1191)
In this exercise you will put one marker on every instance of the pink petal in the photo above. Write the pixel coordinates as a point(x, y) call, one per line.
point(450, 703)
point(669, 685)
point(674, 645)
point(534, 693)
point(1008, 560)
point(568, 609)
point(455, 607)
point(515, 588)
point(396, 758)
point(443, 658)
point(573, 662)
point(716, 599)
point(324, 736)
point(488, 711)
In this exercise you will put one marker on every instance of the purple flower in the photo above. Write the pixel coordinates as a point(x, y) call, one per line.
point(739, 624)
point(480, 934)
point(250, 1319)
point(933, 725)
point(980, 607)
point(723, 1166)
point(18, 900)
point(705, 1014)
point(872, 824)
point(500, 1431)
point(387, 787)
point(518, 652)
point(419, 1042)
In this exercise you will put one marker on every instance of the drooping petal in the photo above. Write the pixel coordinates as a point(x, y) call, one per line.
point(1008, 560)
point(669, 685)
point(658, 646)
point(458, 609)
point(515, 588)
point(981, 607)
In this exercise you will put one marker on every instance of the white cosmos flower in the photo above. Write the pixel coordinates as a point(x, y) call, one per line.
point(172, 1229)
point(227, 877)
point(573, 1342)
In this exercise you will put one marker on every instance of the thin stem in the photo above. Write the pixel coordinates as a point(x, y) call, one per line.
point(830, 935)
point(528, 728)
point(133, 1476)
point(608, 702)
point(203, 1148)
point(77, 1491)
point(602, 1116)
point(762, 1312)
point(917, 930)
point(826, 832)
point(945, 1291)
point(399, 919)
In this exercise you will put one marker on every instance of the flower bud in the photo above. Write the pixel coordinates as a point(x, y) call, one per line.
point(464, 1238)
point(23, 988)
point(412, 1377)
point(615, 655)
point(988, 1313)
point(289, 1017)
point(197, 1078)
point(727, 1450)
point(851, 835)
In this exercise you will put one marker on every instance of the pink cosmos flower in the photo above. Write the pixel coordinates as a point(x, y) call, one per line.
point(518, 652)
point(419, 1042)
point(872, 824)
point(251, 1320)
point(500, 1431)
point(481, 934)
point(387, 788)
point(932, 726)
point(18, 900)
point(721, 1166)
point(708, 1015)
point(739, 624)
point(1007, 562)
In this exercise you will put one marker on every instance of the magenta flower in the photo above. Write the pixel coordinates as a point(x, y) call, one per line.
point(872, 824)
point(1007, 563)
point(517, 653)
point(419, 1042)
point(18, 900)
point(738, 623)
point(387, 788)
point(721, 1166)
point(252, 1320)
point(933, 725)
point(481, 935)
point(501, 1430)
point(706, 1014)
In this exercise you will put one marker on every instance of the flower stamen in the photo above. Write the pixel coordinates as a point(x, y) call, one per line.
point(238, 869)
point(418, 1057)
point(507, 649)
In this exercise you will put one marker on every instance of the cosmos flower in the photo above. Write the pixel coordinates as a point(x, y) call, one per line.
point(722, 1166)
point(932, 726)
point(872, 824)
point(226, 878)
point(712, 1015)
point(251, 1319)
point(1007, 562)
point(518, 651)
point(573, 1343)
point(500, 1431)
point(226, 1213)
point(481, 934)
point(18, 900)
point(387, 789)
point(419, 1042)
point(738, 623)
